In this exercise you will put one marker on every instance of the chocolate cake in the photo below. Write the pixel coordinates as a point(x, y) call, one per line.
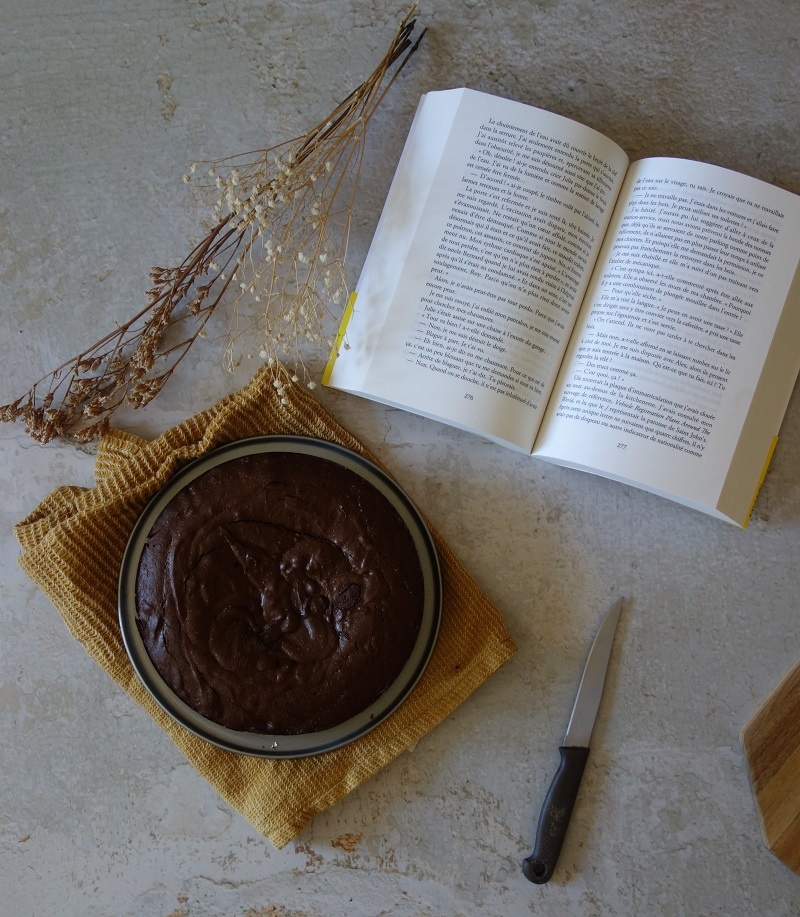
point(279, 593)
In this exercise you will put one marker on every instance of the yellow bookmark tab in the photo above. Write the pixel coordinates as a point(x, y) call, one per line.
point(348, 311)
point(764, 470)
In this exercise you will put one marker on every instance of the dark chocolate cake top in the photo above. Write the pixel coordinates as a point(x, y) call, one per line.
point(279, 593)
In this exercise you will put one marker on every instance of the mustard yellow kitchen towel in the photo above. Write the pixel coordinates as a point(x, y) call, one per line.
point(72, 547)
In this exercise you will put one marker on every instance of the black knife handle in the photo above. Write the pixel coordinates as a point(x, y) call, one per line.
point(555, 815)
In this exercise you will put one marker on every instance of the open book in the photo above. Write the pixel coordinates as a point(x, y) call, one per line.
point(526, 282)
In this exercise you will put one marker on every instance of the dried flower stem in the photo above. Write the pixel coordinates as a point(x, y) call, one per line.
point(281, 222)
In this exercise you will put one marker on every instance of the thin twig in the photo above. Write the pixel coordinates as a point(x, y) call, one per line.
point(279, 237)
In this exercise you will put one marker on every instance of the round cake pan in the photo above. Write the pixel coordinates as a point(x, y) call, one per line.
point(260, 744)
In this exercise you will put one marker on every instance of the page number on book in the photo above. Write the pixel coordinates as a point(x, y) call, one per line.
point(469, 397)
point(622, 445)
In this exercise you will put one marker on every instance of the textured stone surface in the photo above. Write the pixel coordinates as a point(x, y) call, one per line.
point(103, 104)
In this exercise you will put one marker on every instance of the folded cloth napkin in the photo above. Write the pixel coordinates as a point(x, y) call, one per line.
point(72, 549)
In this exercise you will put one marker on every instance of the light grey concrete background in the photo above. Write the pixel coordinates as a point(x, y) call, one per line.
point(103, 104)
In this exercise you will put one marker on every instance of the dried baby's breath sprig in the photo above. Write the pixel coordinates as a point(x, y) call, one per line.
point(278, 238)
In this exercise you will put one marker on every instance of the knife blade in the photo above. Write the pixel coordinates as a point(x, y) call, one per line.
point(560, 799)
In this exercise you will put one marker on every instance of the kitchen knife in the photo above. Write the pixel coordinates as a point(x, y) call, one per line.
point(560, 799)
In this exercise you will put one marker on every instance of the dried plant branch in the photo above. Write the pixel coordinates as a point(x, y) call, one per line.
point(281, 223)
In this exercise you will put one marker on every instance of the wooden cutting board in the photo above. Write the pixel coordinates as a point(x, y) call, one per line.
point(771, 741)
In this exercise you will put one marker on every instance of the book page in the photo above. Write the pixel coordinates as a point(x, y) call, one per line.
point(471, 287)
point(678, 324)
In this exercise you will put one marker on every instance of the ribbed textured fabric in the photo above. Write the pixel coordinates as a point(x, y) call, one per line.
point(72, 547)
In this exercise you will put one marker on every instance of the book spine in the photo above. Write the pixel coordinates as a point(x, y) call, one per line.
point(337, 344)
